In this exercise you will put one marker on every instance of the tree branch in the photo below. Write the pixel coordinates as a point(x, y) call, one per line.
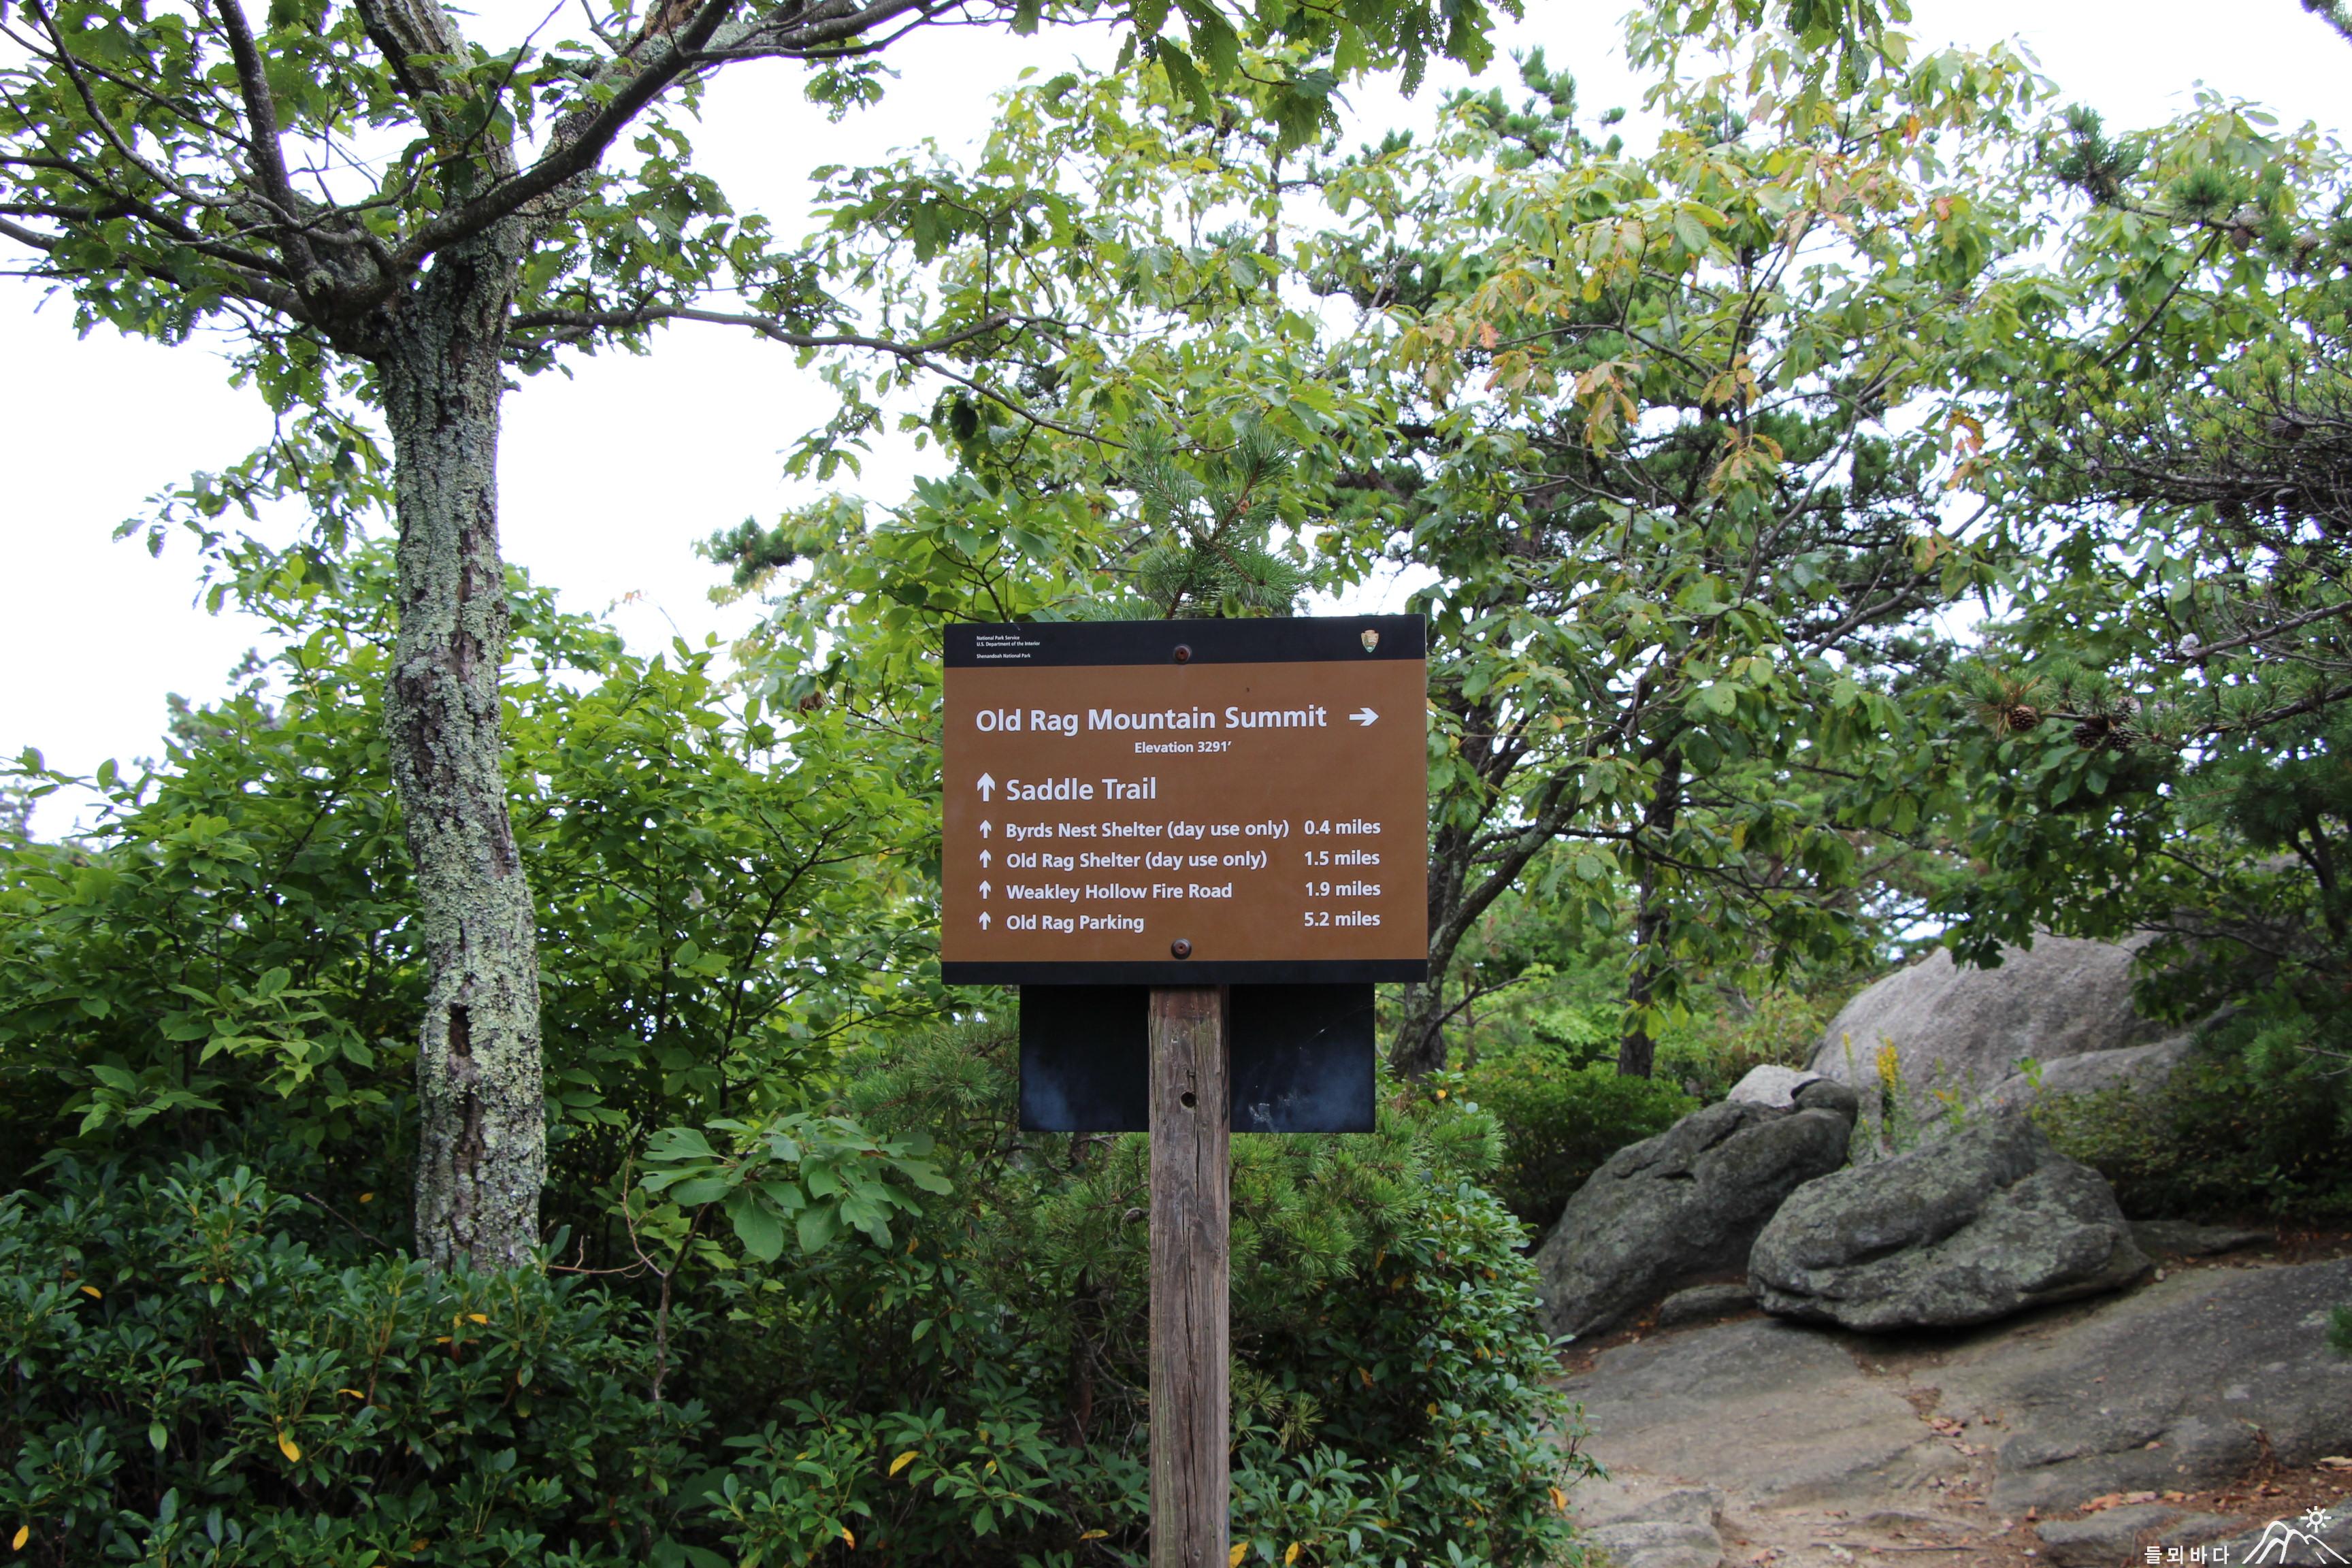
point(261, 123)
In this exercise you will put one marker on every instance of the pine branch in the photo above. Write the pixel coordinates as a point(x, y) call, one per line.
point(2334, 14)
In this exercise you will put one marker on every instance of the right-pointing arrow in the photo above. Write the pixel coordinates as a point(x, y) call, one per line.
point(1364, 716)
point(984, 785)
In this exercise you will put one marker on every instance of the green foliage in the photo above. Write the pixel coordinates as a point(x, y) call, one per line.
point(228, 958)
point(2154, 736)
point(1728, 1035)
point(821, 1175)
point(189, 1382)
point(204, 1369)
point(2251, 1122)
point(1391, 1394)
point(1662, 434)
point(1209, 552)
point(831, 1248)
point(1559, 1122)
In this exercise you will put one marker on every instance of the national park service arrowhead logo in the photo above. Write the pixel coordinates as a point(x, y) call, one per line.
point(1371, 639)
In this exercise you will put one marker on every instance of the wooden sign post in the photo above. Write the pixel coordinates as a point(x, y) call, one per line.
point(1192, 1194)
point(1191, 806)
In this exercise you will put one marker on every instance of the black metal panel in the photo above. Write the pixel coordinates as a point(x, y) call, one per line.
point(1302, 1058)
point(1085, 1059)
point(1285, 640)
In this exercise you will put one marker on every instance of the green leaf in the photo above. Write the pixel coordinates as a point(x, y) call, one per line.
point(759, 1227)
point(679, 1143)
point(817, 1226)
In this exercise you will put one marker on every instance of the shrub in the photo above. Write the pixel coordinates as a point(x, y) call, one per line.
point(976, 1392)
point(1713, 1049)
point(187, 1383)
point(1558, 1123)
point(198, 1373)
point(2242, 1124)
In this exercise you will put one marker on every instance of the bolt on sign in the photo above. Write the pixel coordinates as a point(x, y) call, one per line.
point(1186, 803)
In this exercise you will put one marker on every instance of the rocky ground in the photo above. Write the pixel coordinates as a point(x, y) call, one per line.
point(2191, 1413)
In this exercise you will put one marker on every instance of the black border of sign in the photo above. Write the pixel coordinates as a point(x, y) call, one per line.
point(1304, 639)
point(1213, 972)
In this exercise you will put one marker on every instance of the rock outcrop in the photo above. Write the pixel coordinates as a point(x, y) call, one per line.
point(2185, 1238)
point(1773, 1086)
point(1674, 1528)
point(2183, 1384)
point(1686, 1204)
point(1775, 1411)
point(1984, 1223)
point(1704, 1303)
point(1959, 1035)
point(2120, 1534)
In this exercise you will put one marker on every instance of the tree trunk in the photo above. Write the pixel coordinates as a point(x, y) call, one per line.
point(1419, 1047)
point(482, 1151)
point(1638, 1049)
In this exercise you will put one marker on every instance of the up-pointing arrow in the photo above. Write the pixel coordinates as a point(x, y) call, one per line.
point(1364, 716)
point(983, 888)
point(983, 920)
point(984, 785)
point(984, 859)
point(984, 829)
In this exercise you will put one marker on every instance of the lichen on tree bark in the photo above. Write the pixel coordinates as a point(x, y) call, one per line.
point(482, 1134)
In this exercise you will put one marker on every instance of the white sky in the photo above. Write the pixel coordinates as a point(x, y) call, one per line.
point(609, 479)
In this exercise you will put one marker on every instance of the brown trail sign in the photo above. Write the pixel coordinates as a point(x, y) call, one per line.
point(1198, 807)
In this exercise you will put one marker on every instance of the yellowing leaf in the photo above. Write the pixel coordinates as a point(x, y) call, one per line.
point(287, 1447)
point(1290, 1556)
point(1559, 1500)
point(849, 1537)
point(23, 1534)
point(367, 1197)
point(91, 1292)
point(1094, 1535)
point(1440, 1094)
point(354, 1393)
point(1233, 1558)
point(902, 1461)
point(476, 1318)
